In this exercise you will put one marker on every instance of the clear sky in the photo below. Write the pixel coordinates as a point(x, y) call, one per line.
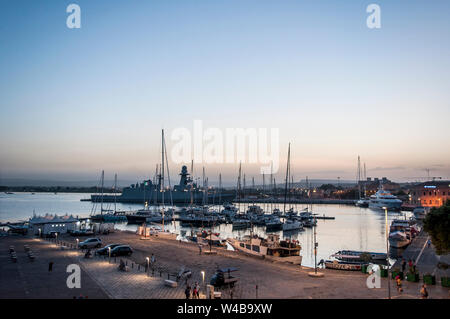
point(76, 101)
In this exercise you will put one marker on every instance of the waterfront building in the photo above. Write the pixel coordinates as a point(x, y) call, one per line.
point(430, 194)
point(44, 225)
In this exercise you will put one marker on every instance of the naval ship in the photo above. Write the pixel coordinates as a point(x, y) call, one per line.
point(186, 192)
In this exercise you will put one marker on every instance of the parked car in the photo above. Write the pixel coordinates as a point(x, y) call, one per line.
point(122, 250)
point(90, 243)
point(105, 250)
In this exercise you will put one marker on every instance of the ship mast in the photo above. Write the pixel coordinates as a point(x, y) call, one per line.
point(103, 181)
point(115, 188)
point(168, 175)
point(287, 178)
point(162, 176)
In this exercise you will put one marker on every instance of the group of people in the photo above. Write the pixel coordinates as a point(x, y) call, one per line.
point(412, 269)
point(195, 291)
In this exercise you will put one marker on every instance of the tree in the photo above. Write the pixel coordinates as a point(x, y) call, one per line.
point(437, 224)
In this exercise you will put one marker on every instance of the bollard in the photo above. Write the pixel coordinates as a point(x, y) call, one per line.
point(168, 276)
point(139, 267)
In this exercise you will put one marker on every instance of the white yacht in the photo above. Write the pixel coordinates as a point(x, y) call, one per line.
point(384, 199)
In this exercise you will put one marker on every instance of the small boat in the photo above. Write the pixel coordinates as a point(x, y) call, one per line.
point(399, 239)
point(292, 225)
point(359, 256)
point(341, 265)
point(9, 193)
point(273, 223)
point(271, 248)
point(363, 202)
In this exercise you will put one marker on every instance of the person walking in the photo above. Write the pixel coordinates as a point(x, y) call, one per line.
point(50, 266)
point(429, 243)
point(403, 265)
point(197, 290)
point(199, 249)
point(424, 292)
point(398, 281)
point(410, 265)
point(194, 292)
point(153, 259)
point(187, 292)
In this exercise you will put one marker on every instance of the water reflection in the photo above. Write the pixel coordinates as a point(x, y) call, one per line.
point(354, 228)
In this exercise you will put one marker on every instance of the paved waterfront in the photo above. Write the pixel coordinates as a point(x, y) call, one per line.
point(425, 257)
point(27, 279)
point(100, 279)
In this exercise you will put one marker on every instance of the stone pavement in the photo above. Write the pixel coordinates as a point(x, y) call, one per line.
point(133, 284)
point(31, 279)
point(425, 257)
point(101, 279)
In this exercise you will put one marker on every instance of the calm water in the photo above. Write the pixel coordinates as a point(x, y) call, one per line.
point(354, 228)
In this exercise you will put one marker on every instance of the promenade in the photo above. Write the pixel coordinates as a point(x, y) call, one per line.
point(101, 278)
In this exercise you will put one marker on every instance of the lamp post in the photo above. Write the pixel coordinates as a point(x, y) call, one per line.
point(109, 254)
point(56, 238)
point(387, 251)
point(148, 265)
point(203, 280)
point(78, 241)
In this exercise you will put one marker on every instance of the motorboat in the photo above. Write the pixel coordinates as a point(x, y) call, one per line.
point(292, 225)
point(271, 248)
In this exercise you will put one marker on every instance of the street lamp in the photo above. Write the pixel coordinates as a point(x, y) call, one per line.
point(56, 238)
point(203, 280)
point(387, 250)
point(109, 253)
point(78, 241)
point(148, 265)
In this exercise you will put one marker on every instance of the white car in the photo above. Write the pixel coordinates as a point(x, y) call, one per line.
point(90, 243)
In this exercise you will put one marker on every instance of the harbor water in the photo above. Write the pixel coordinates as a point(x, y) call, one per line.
point(353, 228)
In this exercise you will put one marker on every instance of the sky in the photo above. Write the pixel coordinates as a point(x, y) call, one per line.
point(76, 101)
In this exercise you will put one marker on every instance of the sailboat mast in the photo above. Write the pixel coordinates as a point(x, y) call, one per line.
point(287, 178)
point(162, 176)
point(358, 178)
point(103, 182)
point(220, 189)
point(115, 191)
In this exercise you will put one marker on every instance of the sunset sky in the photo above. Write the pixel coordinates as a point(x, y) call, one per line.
point(76, 101)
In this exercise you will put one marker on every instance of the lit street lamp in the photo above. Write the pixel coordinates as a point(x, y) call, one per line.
point(109, 253)
point(203, 280)
point(78, 241)
point(387, 250)
point(148, 265)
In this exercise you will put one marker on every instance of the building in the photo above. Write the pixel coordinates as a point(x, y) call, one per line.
point(44, 225)
point(430, 194)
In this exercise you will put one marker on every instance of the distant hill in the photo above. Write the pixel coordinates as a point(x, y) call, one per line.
point(13, 182)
